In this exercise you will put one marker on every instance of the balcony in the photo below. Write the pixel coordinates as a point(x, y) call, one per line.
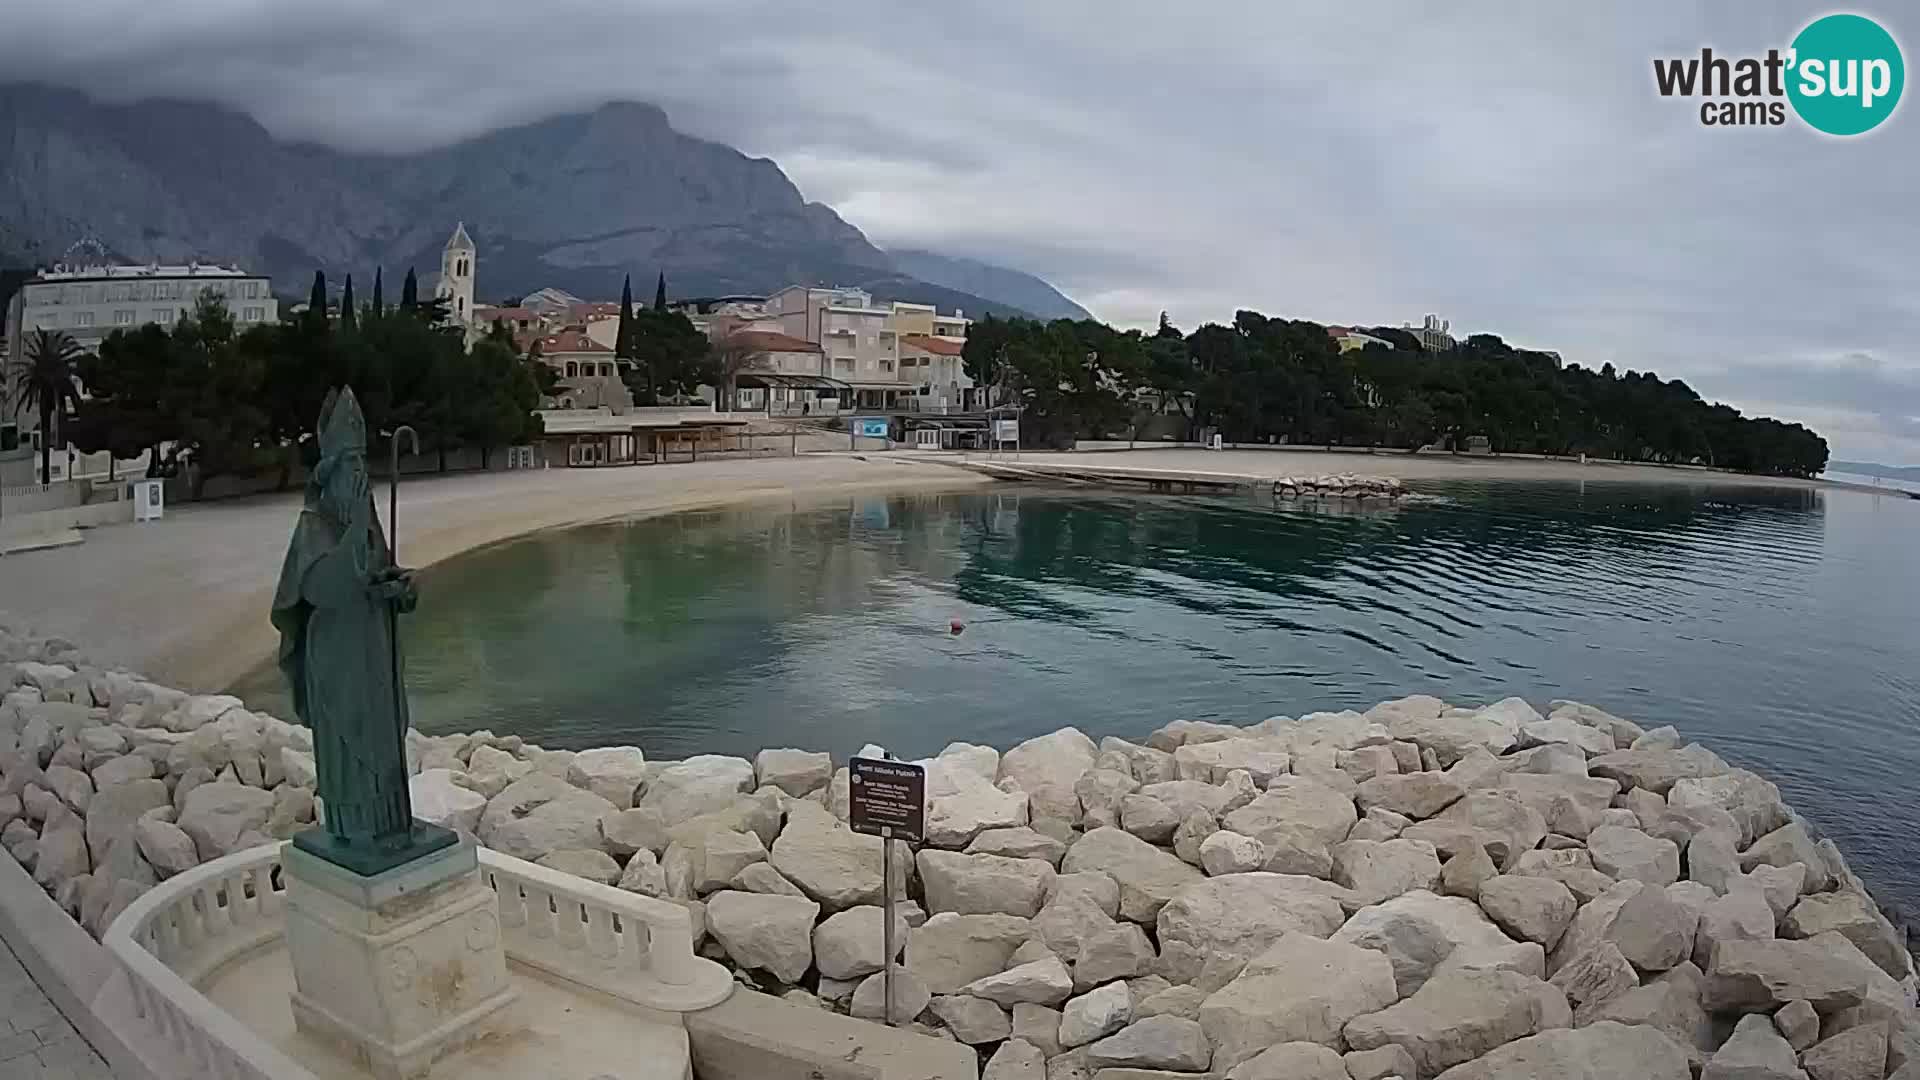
point(604, 977)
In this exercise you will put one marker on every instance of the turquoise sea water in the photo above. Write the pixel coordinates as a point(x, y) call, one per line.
point(1777, 626)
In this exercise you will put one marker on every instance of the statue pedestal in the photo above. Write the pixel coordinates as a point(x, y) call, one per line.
point(400, 968)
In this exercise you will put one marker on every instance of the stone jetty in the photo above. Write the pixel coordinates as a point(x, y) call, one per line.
point(1339, 486)
point(1416, 891)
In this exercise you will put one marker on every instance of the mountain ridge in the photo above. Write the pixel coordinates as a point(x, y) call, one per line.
point(1872, 468)
point(575, 200)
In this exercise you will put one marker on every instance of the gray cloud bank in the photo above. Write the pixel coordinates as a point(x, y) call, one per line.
point(1508, 166)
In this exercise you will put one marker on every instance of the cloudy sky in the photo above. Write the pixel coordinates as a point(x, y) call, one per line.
point(1507, 166)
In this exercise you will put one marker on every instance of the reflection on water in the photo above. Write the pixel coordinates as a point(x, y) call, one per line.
point(1775, 625)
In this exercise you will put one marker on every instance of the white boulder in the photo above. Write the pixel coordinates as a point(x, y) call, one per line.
point(1047, 768)
point(439, 799)
point(1300, 989)
point(612, 772)
point(699, 785)
point(796, 772)
point(771, 933)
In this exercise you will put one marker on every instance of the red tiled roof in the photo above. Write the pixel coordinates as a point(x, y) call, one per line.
point(597, 310)
point(568, 341)
point(770, 341)
point(937, 346)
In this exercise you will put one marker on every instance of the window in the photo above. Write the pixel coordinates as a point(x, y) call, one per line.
point(253, 314)
point(123, 317)
point(460, 304)
point(253, 290)
point(163, 316)
point(121, 291)
point(573, 372)
point(83, 318)
point(9, 436)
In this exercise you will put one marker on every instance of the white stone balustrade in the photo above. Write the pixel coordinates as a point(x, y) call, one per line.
point(183, 931)
point(633, 947)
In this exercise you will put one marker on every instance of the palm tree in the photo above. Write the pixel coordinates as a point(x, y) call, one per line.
point(48, 379)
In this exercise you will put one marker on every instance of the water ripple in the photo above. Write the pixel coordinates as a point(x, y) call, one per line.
point(1777, 626)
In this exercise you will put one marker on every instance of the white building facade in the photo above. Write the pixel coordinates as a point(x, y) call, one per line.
point(89, 302)
point(1435, 333)
point(857, 337)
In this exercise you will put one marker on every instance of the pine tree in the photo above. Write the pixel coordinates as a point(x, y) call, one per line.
point(317, 299)
point(409, 292)
point(660, 293)
point(348, 318)
point(623, 337)
point(379, 302)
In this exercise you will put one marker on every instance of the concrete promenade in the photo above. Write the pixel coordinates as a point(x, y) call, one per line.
point(36, 1042)
point(184, 600)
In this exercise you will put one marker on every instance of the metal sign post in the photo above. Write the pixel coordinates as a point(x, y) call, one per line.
point(886, 930)
point(887, 799)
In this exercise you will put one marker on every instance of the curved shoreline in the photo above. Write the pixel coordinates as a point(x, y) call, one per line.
point(185, 600)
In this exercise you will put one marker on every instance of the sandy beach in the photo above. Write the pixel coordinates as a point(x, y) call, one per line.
point(185, 600)
point(1305, 462)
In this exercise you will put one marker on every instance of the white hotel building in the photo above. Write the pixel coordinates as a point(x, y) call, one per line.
point(89, 302)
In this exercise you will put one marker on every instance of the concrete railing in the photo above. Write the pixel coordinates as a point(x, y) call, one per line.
point(185, 929)
point(32, 498)
point(633, 947)
point(181, 931)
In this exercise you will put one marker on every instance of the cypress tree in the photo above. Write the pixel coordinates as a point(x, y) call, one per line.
point(409, 292)
point(623, 337)
point(317, 299)
point(660, 293)
point(379, 302)
point(348, 319)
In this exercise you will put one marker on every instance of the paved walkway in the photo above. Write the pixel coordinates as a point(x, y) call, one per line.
point(36, 1042)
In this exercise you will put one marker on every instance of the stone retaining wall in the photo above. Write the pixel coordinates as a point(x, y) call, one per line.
point(1418, 890)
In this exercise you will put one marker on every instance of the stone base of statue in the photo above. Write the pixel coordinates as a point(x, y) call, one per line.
point(400, 968)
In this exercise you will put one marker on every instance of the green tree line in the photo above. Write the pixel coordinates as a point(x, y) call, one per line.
point(1285, 380)
point(233, 401)
point(662, 356)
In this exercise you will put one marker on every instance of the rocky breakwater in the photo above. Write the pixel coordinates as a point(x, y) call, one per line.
point(1415, 891)
point(1339, 486)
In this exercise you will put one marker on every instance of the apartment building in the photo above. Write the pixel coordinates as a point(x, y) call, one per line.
point(934, 367)
point(787, 376)
point(1435, 333)
point(89, 302)
point(857, 337)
